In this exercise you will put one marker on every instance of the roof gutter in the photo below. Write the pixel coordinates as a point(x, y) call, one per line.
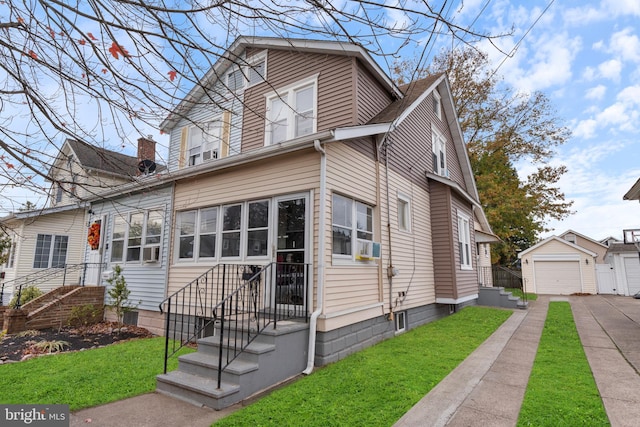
point(321, 260)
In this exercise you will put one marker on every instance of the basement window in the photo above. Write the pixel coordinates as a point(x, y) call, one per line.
point(401, 324)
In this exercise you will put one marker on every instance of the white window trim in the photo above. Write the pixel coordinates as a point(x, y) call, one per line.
point(143, 236)
point(288, 90)
point(244, 230)
point(341, 259)
point(407, 200)
point(204, 134)
point(51, 250)
point(464, 237)
point(251, 62)
point(437, 103)
point(400, 315)
point(438, 139)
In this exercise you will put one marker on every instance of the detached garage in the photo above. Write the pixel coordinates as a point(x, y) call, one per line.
point(558, 267)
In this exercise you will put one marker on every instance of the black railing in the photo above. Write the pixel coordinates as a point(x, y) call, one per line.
point(235, 303)
point(46, 275)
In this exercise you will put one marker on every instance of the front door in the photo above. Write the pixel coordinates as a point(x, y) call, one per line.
point(291, 250)
point(95, 249)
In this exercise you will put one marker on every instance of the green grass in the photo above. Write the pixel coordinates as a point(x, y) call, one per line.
point(561, 389)
point(518, 293)
point(86, 378)
point(376, 386)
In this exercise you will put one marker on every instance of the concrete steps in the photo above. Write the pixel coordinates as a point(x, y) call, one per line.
point(498, 297)
point(273, 357)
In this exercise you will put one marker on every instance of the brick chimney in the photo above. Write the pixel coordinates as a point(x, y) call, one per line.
point(146, 148)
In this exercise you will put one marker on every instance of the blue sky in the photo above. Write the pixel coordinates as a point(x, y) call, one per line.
point(585, 56)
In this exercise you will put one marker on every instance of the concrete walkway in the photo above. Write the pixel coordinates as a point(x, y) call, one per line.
point(486, 389)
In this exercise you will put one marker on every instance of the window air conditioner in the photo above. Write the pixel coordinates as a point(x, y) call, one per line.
point(365, 250)
point(151, 253)
point(209, 155)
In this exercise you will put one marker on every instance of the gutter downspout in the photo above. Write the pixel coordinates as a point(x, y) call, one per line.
point(321, 259)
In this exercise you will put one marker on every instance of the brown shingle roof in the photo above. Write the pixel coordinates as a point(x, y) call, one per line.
point(101, 159)
point(412, 91)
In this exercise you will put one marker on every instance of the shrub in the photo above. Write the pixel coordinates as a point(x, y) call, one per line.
point(28, 293)
point(55, 346)
point(84, 315)
point(119, 294)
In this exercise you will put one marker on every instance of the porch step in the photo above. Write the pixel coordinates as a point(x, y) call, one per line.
point(498, 297)
point(275, 355)
point(197, 390)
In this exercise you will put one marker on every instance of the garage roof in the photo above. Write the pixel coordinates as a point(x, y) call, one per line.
point(557, 239)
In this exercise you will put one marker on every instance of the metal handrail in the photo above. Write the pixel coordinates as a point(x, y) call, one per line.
point(237, 302)
point(45, 275)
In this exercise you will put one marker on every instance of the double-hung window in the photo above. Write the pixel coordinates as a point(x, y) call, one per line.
point(252, 73)
point(352, 228)
point(437, 104)
point(51, 251)
point(291, 112)
point(239, 230)
point(204, 142)
point(137, 236)
point(404, 213)
point(464, 242)
point(439, 149)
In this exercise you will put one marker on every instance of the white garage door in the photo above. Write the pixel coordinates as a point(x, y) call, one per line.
point(632, 271)
point(557, 277)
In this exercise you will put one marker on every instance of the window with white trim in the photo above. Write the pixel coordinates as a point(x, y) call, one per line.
point(439, 150)
point(291, 112)
point(352, 228)
point(204, 142)
point(437, 104)
point(401, 324)
point(464, 242)
point(220, 232)
point(254, 72)
point(51, 251)
point(404, 213)
point(135, 232)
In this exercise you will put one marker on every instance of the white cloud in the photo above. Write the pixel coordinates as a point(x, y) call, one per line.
point(596, 92)
point(625, 45)
point(585, 129)
point(621, 7)
point(610, 69)
point(589, 73)
point(581, 16)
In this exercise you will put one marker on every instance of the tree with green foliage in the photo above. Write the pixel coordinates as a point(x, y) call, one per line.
point(119, 294)
point(504, 128)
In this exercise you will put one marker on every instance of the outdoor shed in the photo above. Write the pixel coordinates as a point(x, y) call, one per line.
point(555, 266)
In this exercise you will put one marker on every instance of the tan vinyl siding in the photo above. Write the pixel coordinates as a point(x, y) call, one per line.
point(412, 250)
point(443, 250)
point(335, 100)
point(353, 285)
point(293, 173)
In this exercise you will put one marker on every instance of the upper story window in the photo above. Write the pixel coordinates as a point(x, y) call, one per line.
point(238, 230)
point(59, 192)
point(352, 225)
point(570, 238)
point(51, 251)
point(204, 142)
point(291, 112)
point(137, 236)
point(254, 72)
point(437, 104)
point(464, 241)
point(235, 80)
point(439, 150)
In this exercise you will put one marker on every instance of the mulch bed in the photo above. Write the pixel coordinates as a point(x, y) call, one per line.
point(23, 346)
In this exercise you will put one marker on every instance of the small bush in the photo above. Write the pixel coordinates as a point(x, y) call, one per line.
point(84, 315)
point(28, 293)
point(55, 346)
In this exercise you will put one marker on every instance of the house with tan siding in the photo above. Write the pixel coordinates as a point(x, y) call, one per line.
point(304, 152)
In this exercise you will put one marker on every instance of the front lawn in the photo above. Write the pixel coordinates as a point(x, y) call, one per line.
point(561, 389)
point(376, 386)
point(86, 378)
